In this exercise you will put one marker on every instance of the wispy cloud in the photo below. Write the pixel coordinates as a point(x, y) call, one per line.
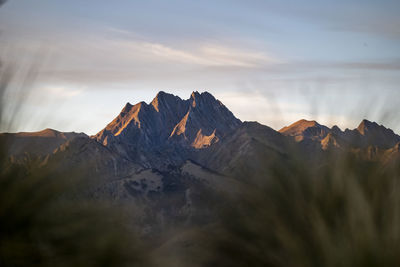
point(61, 92)
point(203, 54)
point(128, 58)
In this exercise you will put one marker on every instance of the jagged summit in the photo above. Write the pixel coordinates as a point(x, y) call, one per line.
point(298, 126)
point(197, 122)
point(336, 129)
point(365, 125)
point(127, 107)
point(368, 133)
point(376, 135)
point(197, 98)
point(164, 100)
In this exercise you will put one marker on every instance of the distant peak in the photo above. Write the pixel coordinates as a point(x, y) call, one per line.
point(300, 125)
point(194, 94)
point(170, 116)
point(162, 95)
point(197, 98)
point(304, 122)
point(366, 124)
point(163, 98)
point(48, 132)
point(336, 129)
point(205, 94)
point(127, 107)
point(313, 122)
point(194, 97)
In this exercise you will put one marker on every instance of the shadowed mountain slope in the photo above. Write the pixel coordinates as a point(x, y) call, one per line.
point(243, 152)
point(372, 134)
point(168, 128)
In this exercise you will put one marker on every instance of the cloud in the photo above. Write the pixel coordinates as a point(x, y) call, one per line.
point(129, 58)
point(202, 54)
point(61, 92)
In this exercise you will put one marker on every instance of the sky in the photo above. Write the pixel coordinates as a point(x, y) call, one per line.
point(77, 63)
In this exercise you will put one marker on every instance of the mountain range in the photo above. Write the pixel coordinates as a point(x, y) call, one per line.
point(171, 153)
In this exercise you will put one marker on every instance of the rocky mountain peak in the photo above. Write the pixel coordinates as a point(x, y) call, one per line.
point(378, 135)
point(335, 129)
point(305, 129)
point(204, 98)
point(128, 106)
point(367, 125)
point(194, 95)
point(298, 127)
point(168, 121)
point(164, 101)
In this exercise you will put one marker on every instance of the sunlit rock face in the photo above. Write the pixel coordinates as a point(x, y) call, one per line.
point(168, 127)
point(304, 129)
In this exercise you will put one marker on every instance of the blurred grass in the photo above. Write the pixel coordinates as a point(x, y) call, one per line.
point(344, 213)
point(339, 211)
point(44, 221)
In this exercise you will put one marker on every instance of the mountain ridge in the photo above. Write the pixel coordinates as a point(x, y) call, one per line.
point(366, 134)
point(170, 130)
